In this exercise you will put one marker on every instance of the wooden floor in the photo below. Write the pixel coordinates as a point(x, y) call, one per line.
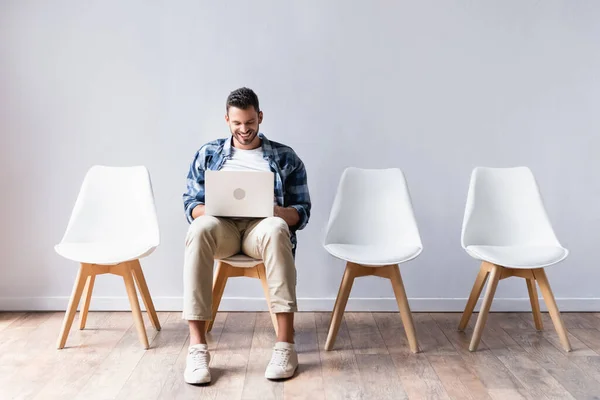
point(371, 359)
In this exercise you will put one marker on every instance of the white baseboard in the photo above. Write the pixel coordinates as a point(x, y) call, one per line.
point(304, 304)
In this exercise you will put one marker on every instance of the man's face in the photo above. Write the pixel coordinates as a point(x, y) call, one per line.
point(244, 127)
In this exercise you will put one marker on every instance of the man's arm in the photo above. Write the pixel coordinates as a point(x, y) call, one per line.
point(193, 198)
point(297, 197)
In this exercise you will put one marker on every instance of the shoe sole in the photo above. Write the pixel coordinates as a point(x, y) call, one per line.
point(196, 382)
point(279, 378)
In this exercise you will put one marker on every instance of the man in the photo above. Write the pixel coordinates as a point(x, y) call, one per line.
point(271, 239)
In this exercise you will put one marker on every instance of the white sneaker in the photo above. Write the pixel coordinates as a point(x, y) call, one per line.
point(196, 366)
point(284, 361)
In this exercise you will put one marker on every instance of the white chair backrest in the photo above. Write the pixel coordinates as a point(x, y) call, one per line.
point(372, 207)
point(505, 208)
point(114, 204)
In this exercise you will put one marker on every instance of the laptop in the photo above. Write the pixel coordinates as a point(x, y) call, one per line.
point(239, 193)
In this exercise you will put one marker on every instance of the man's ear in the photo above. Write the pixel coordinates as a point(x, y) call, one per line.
point(260, 117)
point(227, 118)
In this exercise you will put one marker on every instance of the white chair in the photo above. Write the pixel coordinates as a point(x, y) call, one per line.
point(506, 227)
point(112, 226)
point(236, 266)
point(372, 227)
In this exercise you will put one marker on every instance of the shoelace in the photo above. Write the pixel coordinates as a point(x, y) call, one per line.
point(280, 357)
point(200, 359)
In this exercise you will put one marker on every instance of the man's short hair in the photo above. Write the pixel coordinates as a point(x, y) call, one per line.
point(243, 98)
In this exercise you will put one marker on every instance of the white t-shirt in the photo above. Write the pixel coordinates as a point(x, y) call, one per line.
point(246, 160)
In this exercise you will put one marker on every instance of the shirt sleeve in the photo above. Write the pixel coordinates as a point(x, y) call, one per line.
point(297, 195)
point(194, 194)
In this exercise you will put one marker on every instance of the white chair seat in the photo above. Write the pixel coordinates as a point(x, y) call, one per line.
point(104, 253)
point(241, 261)
point(524, 257)
point(373, 255)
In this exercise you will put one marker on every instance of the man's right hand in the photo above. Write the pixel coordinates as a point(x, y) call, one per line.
point(198, 211)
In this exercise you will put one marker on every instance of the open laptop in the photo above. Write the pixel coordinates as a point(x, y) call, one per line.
point(239, 193)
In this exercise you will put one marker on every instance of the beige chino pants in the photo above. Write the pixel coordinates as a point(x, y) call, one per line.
point(211, 238)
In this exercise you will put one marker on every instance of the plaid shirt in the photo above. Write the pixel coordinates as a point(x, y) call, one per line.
point(291, 188)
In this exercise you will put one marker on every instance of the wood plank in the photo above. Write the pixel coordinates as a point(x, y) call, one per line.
point(341, 377)
point(175, 387)
point(458, 380)
point(364, 334)
point(308, 383)
point(580, 320)
point(513, 320)
point(497, 339)
point(418, 378)
point(590, 337)
point(29, 338)
point(228, 366)
point(573, 320)
point(557, 363)
point(590, 364)
point(85, 352)
point(431, 339)
point(379, 377)
point(16, 333)
point(148, 377)
point(256, 386)
point(524, 366)
point(7, 318)
point(585, 343)
point(579, 349)
point(114, 371)
point(499, 382)
point(538, 382)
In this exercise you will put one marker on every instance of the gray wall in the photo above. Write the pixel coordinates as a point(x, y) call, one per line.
point(434, 88)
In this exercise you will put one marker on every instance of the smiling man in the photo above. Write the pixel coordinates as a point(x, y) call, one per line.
point(271, 239)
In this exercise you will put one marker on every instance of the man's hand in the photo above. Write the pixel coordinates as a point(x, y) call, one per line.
point(288, 214)
point(198, 211)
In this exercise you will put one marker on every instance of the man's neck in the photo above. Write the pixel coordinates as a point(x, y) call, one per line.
point(251, 146)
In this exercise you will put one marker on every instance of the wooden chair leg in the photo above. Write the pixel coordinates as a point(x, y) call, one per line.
point(262, 275)
point(340, 305)
point(80, 281)
point(89, 287)
point(485, 307)
point(535, 304)
point(542, 279)
point(219, 282)
point(405, 314)
point(135, 305)
point(140, 280)
point(474, 296)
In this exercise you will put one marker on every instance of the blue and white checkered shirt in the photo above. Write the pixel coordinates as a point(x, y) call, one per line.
point(291, 188)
